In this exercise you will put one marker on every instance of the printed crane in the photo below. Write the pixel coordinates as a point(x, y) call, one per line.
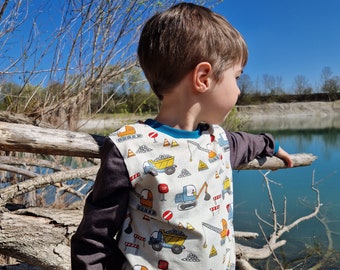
point(211, 154)
point(224, 232)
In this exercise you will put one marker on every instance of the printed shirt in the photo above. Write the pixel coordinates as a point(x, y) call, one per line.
point(94, 245)
point(181, 207)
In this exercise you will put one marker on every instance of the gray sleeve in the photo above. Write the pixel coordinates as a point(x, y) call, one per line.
point(93, 245)
point(245, 147)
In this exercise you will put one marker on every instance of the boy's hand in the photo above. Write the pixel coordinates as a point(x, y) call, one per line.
point(285, 156)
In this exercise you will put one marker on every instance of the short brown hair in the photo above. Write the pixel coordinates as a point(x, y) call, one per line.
point(172, 43)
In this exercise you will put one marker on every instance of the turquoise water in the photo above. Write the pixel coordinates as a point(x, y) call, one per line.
point(295, 184)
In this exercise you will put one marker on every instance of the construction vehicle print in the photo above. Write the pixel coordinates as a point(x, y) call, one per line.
point(224, 232)
point(226, 187)
point(173, 239)
point(188, 198)
point(223, 141)
point(128, 134)
point(146, 202)
point(139, 267)
point(164, 163)
point(211, 154)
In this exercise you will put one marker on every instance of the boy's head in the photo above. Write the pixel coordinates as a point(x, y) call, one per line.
point(172, 43)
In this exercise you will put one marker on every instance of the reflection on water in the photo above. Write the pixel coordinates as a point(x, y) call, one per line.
point(295, 185)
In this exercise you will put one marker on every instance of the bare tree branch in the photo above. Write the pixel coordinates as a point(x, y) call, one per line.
point(271, 250)
point(43, 180)
point(273, 242)
point(17, 170)
point(3, 8)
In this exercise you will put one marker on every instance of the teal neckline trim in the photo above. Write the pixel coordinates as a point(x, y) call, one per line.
point(173, 132)
point(276, 147)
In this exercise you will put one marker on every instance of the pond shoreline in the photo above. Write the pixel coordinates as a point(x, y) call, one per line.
point(269, 116)
point(286, 116)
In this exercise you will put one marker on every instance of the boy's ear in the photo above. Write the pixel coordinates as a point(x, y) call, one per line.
point(202, 77)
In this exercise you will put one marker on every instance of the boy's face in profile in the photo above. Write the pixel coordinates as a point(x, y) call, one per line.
point(223, 95)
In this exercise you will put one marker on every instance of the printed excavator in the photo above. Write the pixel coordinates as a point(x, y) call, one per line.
point(188, 198)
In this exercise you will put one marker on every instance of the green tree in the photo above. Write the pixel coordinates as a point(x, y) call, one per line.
point(8, 93)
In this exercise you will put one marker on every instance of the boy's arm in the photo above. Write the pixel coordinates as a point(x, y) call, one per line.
point(244, 147)
point(93, 245)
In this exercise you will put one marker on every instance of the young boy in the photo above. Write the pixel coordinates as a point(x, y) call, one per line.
point(163, 197)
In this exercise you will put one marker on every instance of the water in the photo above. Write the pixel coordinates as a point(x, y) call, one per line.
point(295, 184)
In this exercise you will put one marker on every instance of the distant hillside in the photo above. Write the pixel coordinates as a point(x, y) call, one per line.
point(254, 99)
point(294, 115)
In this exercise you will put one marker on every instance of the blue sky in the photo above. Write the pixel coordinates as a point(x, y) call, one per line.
point(287, 38)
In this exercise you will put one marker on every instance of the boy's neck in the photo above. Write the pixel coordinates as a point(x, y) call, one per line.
point(168, 118)
point(179, 110)
point(185, 106)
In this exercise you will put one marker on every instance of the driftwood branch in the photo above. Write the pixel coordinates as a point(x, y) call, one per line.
point(31, 139)
point(44, 180)
point(27, 138)
point(245, 253)
point(23, 161)
point(274, 163)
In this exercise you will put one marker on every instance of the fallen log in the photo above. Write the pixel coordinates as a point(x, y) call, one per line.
point(39, 236)
point(47, 232)
point(31, 139)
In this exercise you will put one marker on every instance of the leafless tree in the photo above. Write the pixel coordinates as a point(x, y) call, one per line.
point(80, 45)
point(301, 85)
point(245, 84)
point(273, 84)
point(326, 74)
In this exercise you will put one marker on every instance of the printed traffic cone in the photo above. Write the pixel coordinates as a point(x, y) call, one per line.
point(202, 166)
point(166, 143)
point(174, 143)
point(130, 153)
point(213, 252)
point(190, 227)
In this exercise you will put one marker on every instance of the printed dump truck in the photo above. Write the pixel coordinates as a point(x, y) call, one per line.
point(173, 239)
point(164, 163)
point(226, 187)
